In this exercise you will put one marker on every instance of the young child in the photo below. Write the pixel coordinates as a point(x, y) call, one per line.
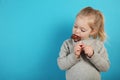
point(85, 58)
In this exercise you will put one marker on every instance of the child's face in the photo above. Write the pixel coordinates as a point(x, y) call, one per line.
point(81, 27)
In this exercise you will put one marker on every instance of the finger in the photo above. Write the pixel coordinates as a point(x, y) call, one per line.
point(89, 52)
point(77, 53)
point(83, 45)
point(86, 50)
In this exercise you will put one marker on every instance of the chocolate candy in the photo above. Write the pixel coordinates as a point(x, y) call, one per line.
point(75, 38)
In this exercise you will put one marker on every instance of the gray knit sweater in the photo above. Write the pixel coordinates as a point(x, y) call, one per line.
point(84, 68)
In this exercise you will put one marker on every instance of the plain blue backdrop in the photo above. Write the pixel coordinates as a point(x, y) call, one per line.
point(32, 31)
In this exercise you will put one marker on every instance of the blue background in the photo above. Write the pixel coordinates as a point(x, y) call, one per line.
point(32, 31)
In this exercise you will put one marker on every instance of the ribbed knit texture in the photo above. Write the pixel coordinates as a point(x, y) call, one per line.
point(83, 68)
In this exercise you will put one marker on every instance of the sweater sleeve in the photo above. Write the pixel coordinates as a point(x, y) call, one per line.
point(100, 58)
point(66, 59)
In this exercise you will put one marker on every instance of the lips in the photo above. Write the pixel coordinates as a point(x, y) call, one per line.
point(75, 37)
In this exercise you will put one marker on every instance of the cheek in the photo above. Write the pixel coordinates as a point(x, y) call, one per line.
point(73, 30)
point(85, 34)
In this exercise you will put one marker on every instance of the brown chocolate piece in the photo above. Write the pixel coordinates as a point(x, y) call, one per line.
point(75, 38)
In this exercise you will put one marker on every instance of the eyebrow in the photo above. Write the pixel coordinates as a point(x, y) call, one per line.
point(80, 26)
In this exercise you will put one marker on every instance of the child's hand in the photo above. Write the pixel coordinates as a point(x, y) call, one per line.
point(88, 50)
point(78, 49)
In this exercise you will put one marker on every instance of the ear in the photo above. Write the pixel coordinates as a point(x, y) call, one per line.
point(93, 32)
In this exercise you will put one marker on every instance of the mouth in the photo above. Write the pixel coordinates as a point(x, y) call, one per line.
point(75, 37)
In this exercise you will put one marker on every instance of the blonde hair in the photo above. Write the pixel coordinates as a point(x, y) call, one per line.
point(96, 21)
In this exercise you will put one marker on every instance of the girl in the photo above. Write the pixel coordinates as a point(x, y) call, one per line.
point(86, 58)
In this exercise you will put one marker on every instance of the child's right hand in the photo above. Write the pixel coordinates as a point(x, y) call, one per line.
point(78, 49)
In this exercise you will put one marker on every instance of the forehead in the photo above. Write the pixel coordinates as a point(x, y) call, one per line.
point(81, 19)
point(84, 20)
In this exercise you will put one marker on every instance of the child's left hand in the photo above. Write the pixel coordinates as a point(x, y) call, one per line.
point(88, 50)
